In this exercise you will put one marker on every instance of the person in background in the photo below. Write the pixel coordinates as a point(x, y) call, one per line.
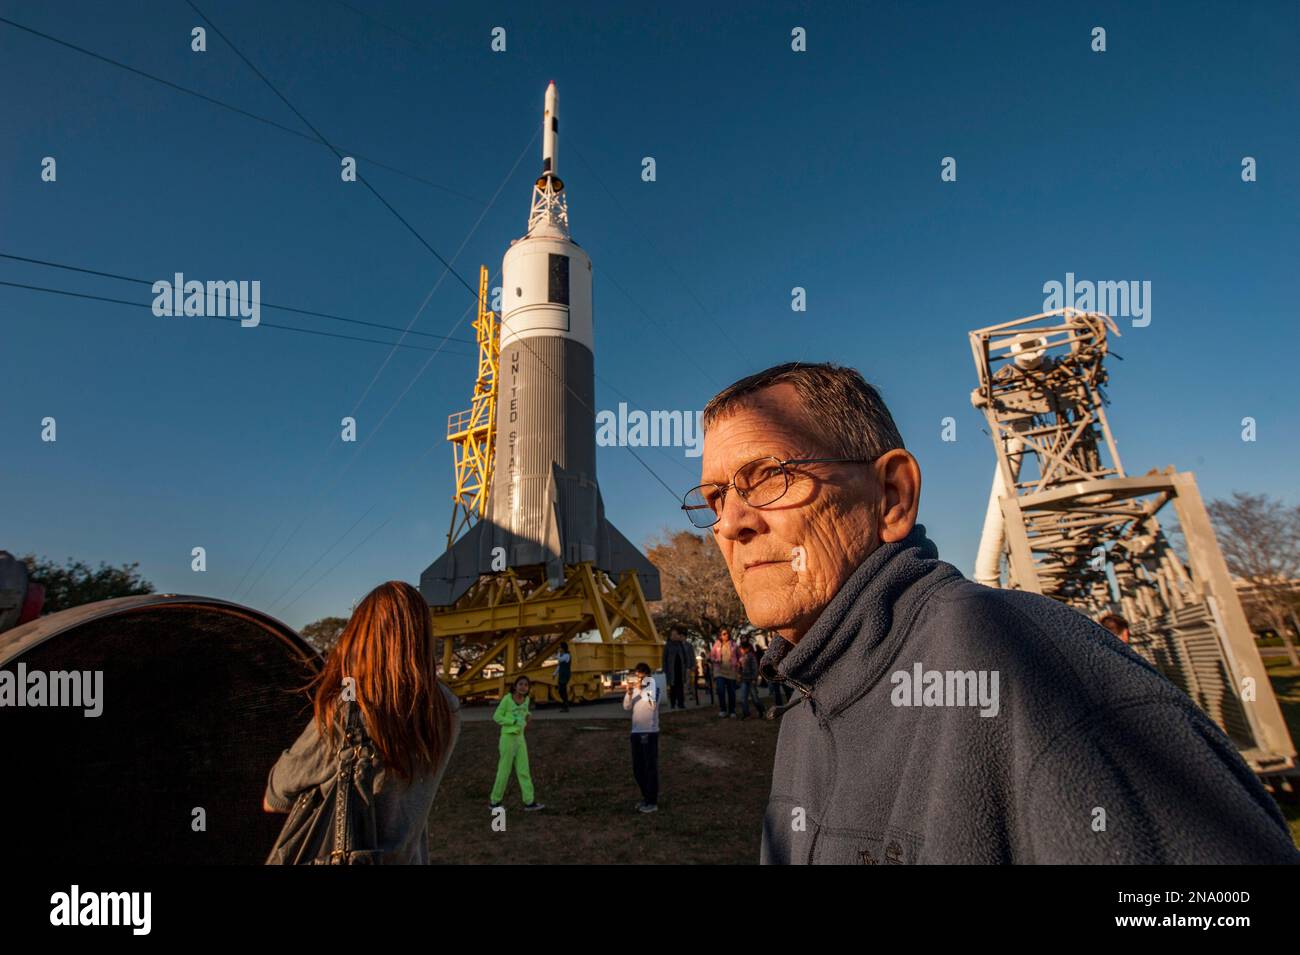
point(726, 668)
point(706, 677)
point(513, 716)
point(385, 658)
point(749, 679)
point(562, 673)
point(1116, 625)
point(679, 666)
point(642, 698)
point(775, 687)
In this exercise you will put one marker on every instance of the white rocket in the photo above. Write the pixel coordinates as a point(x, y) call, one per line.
point(544, 508)
point(551, 132)
point(545, 276)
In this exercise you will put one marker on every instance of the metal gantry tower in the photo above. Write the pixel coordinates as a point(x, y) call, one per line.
point(470, 432)
point(1071, 524)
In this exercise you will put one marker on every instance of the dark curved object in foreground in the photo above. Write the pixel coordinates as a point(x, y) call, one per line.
point(199, 696)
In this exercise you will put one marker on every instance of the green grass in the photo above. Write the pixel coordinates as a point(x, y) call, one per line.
point(714, 777)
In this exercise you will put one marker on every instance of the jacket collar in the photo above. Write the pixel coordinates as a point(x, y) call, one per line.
point(854, 640)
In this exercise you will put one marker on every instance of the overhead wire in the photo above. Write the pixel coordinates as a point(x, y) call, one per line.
point(234, 109)
point(319, 138)
point(263, 304)
point(266, 80)
point(228, 318)
point(371, 432)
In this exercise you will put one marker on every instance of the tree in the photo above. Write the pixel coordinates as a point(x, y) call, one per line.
point(698, 594)
point(76, 582)
point(324, 633)
point(1260, 540)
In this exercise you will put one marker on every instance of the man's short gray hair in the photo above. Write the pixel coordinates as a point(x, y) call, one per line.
point(849, 417)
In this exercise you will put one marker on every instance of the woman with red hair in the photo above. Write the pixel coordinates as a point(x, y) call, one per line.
point(384, 662)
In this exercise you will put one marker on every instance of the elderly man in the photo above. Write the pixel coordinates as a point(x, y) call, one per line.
point(939, 720)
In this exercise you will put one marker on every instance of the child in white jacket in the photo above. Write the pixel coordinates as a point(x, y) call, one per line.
point(642, 698)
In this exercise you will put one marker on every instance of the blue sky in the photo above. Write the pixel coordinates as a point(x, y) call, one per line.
point(775, 170)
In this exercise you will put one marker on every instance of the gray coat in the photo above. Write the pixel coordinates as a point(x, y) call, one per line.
point(1087, 756)
point(401, 806)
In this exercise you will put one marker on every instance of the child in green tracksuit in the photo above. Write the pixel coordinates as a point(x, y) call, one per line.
point(513, 716)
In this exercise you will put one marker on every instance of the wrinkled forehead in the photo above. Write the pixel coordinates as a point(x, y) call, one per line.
point(771, 423)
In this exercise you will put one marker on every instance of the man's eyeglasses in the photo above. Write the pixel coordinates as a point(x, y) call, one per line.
point(759, 483)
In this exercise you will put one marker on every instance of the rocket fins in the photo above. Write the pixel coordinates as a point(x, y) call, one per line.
point(620, 554)
point(447, 578)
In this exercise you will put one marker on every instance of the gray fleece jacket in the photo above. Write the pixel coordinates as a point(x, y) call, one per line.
point(943, 721)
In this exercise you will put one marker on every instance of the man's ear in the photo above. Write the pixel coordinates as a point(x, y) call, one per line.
point(898, 477)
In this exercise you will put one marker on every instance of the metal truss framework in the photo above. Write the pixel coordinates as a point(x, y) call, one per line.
point(1078, 529)
point(470, 432)
point(510, 624)
point(549, 206)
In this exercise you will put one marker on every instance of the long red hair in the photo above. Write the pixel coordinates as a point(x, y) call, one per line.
point(387, 650)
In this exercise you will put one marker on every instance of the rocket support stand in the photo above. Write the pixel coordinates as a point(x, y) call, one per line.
point(510, 623)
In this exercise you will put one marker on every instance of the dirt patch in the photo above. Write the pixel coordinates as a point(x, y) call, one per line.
point(705, 757)
point(715, 776)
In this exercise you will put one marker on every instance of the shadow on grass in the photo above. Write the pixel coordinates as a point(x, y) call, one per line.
point(714, 778)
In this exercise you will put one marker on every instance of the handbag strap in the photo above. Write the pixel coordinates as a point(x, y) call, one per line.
point(354, 757)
